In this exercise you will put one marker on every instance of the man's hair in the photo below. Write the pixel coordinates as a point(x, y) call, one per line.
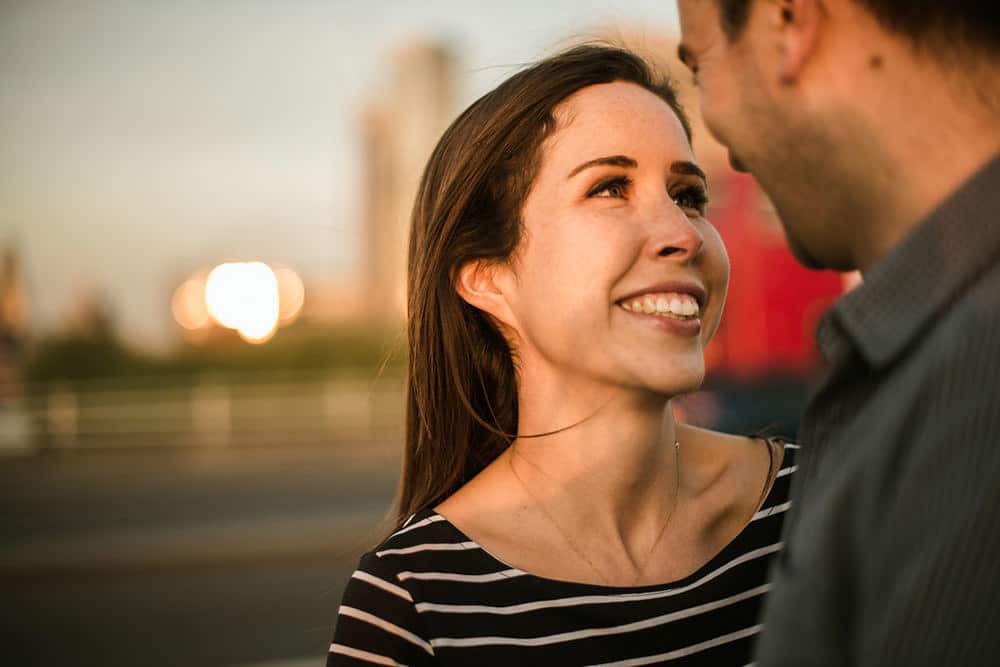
point(933, 26)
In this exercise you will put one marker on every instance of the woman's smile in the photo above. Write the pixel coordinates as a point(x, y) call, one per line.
point(672, 307)
point(671, 312)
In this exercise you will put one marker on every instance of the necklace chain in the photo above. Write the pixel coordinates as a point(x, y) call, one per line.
point(641, 566)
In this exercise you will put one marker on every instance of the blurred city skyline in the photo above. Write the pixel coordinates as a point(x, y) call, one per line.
point(145, 140)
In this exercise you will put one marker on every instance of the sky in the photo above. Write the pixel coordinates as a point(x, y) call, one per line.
point(144, 139)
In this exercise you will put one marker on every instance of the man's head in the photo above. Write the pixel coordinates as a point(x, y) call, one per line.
point(827, 101)
point(932, 25)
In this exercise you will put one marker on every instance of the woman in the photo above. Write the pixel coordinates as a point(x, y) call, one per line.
point(563, 282)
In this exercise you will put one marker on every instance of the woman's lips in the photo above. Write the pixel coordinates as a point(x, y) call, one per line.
point(681, 325)
point(680, 305)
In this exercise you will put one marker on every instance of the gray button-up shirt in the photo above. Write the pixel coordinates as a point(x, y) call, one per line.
point(892, 550)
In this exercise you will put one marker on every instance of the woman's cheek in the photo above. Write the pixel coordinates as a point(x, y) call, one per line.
point(717, 267)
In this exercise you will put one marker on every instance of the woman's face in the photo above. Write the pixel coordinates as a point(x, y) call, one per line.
point(618, 279)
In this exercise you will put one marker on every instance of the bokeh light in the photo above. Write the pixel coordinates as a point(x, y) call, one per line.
point(188, 305)
point(291, 295)
point(244, 296)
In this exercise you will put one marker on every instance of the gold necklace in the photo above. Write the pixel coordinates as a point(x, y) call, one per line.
point(640, 567)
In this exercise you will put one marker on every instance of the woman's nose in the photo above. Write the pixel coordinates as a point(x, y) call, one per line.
point(674, 234)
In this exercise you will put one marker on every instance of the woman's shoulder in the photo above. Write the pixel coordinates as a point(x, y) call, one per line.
point(426, 544)
point(783, 469)
point(388, 567)
point(378, 620)
point(728, 450)
point(421, 532)
point(738, 475)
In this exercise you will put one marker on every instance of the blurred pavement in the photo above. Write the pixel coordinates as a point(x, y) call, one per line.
point(227, 556)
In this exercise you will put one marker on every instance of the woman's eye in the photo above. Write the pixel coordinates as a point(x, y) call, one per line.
point(692, 198)
point(616, 188)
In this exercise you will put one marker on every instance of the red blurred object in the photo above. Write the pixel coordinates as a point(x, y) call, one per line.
point(774, 303)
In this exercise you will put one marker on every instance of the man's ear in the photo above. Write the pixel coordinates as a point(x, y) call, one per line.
point(480, 283)
point(798, 23)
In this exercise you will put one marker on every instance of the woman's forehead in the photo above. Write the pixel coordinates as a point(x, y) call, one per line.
point(613, 116)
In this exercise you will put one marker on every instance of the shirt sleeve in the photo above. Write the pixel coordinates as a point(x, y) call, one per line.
point(377, 623)
point(932, 581)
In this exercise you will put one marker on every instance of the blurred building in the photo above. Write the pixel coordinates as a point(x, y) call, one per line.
point(15, 426)
point(401, 127)
point(91, 315)
point(13, 324)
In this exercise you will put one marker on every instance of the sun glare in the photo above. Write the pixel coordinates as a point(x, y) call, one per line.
point(249, 297)
point(244, 296)
point(188, 305)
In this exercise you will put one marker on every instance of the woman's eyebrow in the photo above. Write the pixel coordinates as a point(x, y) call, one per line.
point(684, 167)
point(612, 160)
point(688, 169)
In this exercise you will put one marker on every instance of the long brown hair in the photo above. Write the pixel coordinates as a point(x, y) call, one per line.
point(461, 404)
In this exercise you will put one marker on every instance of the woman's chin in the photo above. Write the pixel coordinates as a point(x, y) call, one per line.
point(677, 382)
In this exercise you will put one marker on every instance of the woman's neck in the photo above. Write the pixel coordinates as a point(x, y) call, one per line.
point(606, 463)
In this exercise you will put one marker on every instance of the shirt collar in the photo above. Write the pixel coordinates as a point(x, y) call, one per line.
point(921, 276)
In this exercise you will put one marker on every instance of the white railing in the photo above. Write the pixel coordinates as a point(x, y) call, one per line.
point(214, 412)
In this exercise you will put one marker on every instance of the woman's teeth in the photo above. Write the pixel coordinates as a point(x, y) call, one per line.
point(682, 306)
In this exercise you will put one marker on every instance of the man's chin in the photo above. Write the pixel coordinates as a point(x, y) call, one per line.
point(804, 257)
point(737, 164)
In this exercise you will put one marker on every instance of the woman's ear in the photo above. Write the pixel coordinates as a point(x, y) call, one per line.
point(480, 283)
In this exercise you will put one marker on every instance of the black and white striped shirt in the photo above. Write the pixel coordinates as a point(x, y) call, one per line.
point(429, 595)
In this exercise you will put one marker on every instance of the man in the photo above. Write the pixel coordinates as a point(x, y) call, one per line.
point(874, 125)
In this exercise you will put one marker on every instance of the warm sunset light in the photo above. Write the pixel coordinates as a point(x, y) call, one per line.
point(291, 295)
point(249, 297)
point(244, 296)
point(188, 305)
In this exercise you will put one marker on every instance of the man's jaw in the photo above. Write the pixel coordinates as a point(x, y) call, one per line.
point(736, 164)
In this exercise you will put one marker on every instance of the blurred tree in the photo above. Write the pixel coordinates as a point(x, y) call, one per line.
point(96, 352)
point(89, 348)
